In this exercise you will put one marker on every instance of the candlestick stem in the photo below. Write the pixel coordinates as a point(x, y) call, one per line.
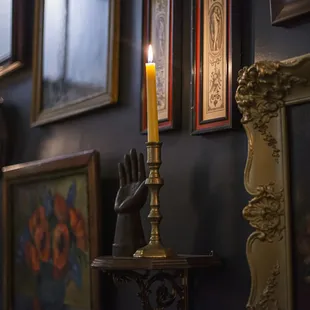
point(155, 248)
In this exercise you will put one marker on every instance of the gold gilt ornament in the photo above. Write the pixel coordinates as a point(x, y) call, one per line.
point(265, 90)
point(267, 300)
point(265, 213)
point(262, 88)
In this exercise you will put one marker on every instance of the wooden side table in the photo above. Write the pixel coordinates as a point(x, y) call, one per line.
point(171, 274)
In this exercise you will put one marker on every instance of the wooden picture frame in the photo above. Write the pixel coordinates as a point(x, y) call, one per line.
point(161, 28)
point(215, 62)
point(21, 34)
point(52, 193)
point(282, 12)
point(266, 89)
point(5, 143)
point(71, 89)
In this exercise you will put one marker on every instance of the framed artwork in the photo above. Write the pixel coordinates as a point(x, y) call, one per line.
point(278, 250)
point(215, 36)
point(161, 28)
point(14, 33)
point(51, 234)
point(284, 11)
point(75, 58)
point(4, 136)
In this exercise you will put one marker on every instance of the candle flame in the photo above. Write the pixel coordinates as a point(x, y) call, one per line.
point(150, 54)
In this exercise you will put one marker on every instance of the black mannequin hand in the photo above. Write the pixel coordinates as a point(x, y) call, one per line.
point(133, 192)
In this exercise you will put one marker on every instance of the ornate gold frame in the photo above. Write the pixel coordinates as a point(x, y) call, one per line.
point(264, 90)
point(40, 116)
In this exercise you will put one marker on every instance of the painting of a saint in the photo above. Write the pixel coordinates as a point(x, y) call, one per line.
point(215, 29)
point(161, 24)
point(215, 62)
point(160, 41)
point(160, 35)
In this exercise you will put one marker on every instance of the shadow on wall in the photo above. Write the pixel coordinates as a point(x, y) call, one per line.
point(109, 189)
point(24, 141)
point(216, 195)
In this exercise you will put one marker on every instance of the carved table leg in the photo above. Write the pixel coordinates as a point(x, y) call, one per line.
point(172, 287)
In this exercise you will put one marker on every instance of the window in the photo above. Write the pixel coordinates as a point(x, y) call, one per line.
point(5, 30)
point(12, 34)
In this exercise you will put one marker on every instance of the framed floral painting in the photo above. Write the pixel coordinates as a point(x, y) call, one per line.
point(51, 233)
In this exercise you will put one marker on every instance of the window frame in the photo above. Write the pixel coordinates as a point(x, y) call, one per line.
point(19, 54)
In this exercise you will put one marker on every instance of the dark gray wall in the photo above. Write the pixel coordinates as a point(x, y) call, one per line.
point(203, 194)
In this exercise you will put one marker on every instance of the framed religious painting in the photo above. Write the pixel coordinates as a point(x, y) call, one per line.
point(284, 12)
point(215, 63)
point(51, 222)
point(15, 32)
point(75, 58)
point(273, 97)
point(161, 28)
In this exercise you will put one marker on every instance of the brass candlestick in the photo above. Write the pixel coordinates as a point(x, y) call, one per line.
point(154, 249)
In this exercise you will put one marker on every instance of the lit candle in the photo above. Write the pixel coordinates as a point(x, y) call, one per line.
point(151, 98)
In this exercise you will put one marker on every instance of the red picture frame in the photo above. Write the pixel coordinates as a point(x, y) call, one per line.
point(228, 49)
point(170, 16)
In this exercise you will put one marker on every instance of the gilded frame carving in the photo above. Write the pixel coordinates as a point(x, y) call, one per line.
point(264, 90)
point(39, 114)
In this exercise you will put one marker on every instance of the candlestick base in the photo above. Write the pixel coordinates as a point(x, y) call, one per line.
point(156, 250)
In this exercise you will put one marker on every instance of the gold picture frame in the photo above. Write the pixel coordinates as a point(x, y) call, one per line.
point(108, 94)
point(265, 90)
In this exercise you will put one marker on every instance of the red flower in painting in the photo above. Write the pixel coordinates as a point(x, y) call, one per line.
point(77, 224)
point(37, 218)
point(38, 227)
point(56, 239)
point(61, 247)
point(60, 209)
point(32, 257)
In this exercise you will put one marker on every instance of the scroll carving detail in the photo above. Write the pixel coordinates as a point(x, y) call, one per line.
point(260, 94)
point(265, 89)
point(169, 291)
point(267, 300)
point(265, 213)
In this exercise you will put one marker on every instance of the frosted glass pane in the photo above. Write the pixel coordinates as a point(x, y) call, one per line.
point(75, 49)
point(5, 29)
